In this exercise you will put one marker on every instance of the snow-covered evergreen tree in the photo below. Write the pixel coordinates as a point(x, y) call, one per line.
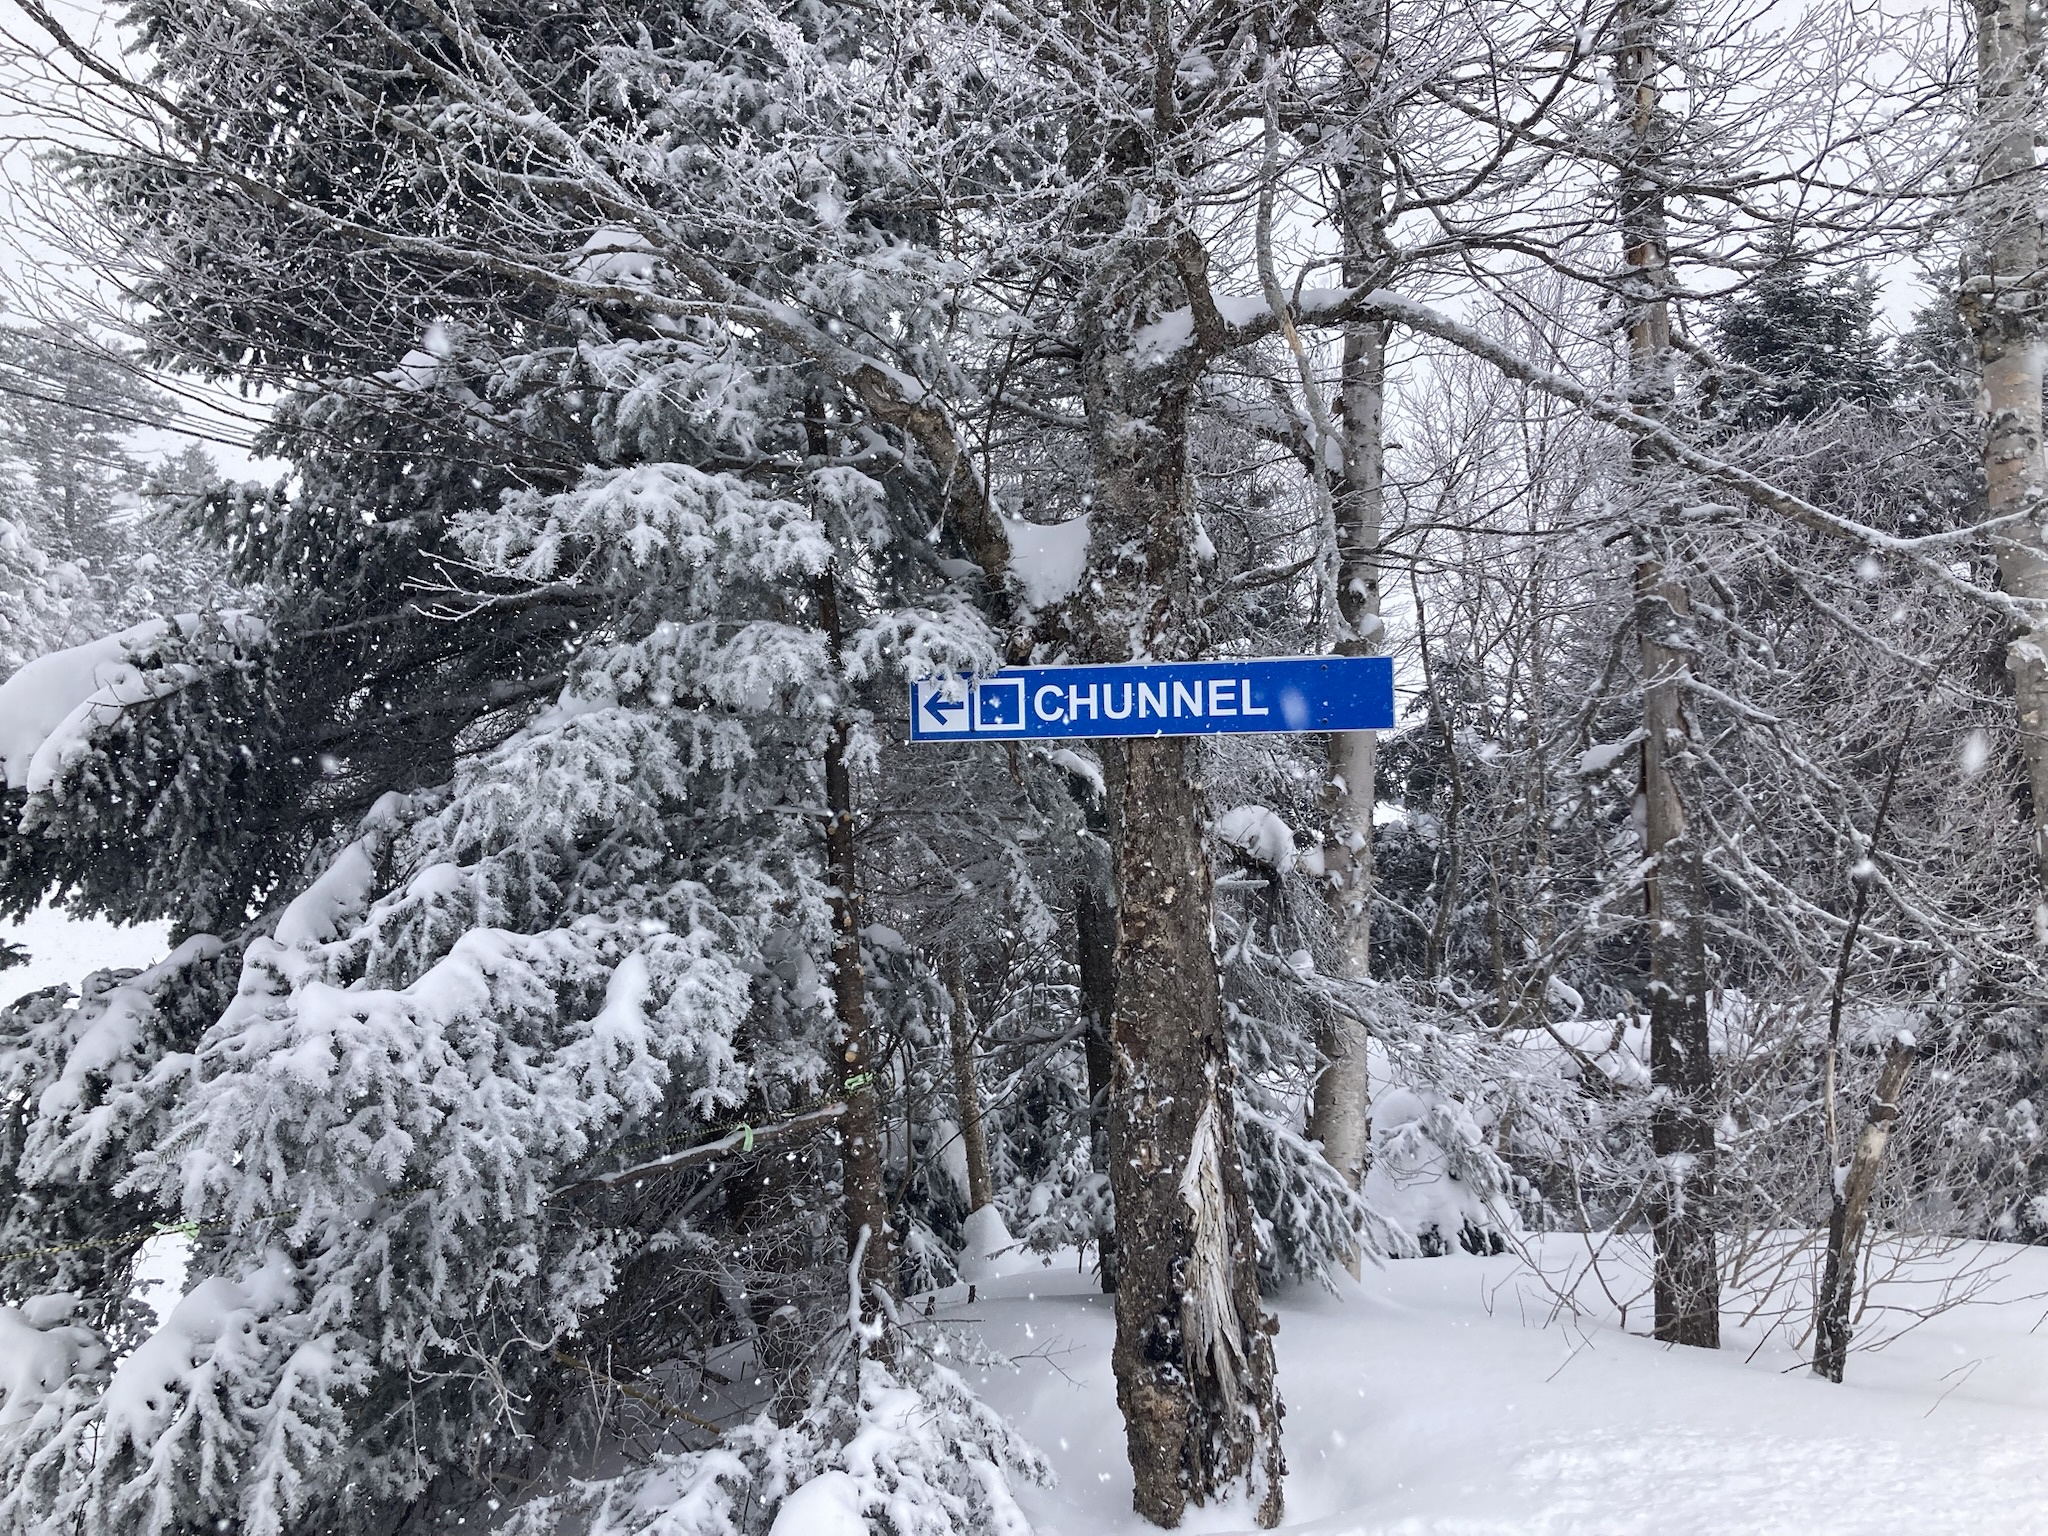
point(69, 405)
point(90, 541)
point(34, 591)
point(1801, 340)
point(503, 821)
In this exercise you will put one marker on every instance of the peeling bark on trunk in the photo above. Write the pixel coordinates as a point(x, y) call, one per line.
point(863, 1195)
point(1095, 957)
point(1832, 1322)
point(2002, 304)
point(1686, 1281)
point(1194, 1353)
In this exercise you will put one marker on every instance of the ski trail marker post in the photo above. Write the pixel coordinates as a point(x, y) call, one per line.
point(1273, 695)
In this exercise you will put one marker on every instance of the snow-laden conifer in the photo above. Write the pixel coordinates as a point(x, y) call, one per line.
point(507, 815)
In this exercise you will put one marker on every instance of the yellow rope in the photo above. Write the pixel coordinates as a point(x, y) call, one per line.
point(746, 1132)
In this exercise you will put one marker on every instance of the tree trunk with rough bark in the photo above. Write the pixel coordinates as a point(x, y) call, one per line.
point(1194, 1354)
point(967, 1094)
point(1095, 924)
point(1681, 1205)
point(863, 1195)
point(2002, 303)
point(1851, 1211)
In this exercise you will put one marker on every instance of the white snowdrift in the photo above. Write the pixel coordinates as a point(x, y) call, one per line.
point(828, 1505)
point(988, 1250)
point(1444, 1396)
point(1413, 1182)
point(1048, 559)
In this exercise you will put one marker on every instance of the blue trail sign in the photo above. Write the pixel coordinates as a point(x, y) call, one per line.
point(1158, 698)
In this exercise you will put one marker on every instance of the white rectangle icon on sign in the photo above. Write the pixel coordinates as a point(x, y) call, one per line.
point(999, 706)
point(993, 707)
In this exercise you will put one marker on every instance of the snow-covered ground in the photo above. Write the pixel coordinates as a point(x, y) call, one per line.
point(1451, 1397)
point(67, 949)
point(1459, 1396)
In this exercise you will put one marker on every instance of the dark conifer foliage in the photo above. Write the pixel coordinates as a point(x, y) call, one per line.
point(1803, 339)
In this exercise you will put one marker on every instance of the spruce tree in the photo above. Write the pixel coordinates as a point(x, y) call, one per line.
point(34, 613)
point(69, 405)
point(1803, 340)
point(499, 829)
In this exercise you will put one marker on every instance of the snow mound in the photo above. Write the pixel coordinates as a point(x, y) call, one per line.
point(1259, 835)
point(1047, 559)
point(987, 1249)
point(828, 1505)
point(1426, 1148)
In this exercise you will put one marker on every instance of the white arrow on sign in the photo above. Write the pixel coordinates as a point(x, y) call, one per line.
point(938, 715)
point(994, 706)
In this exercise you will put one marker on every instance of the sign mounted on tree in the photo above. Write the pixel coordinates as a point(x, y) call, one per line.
point(1158, 698)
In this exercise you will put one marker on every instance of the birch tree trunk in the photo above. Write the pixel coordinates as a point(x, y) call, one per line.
point(1340, 1109)
point(1851, 1211)
point(2002, 305)
point(1686, 1275)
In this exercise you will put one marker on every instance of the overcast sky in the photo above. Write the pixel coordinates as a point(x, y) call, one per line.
point(37, 279)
